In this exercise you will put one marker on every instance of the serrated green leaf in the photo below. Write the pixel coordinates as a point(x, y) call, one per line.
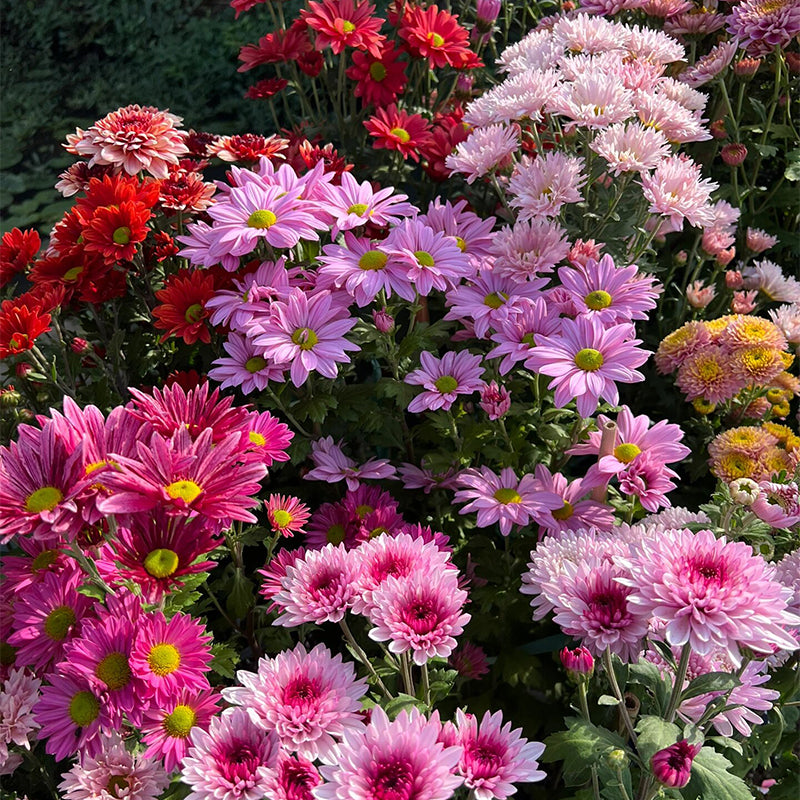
point(397, 704)
point(711, 778)
point(655, 734)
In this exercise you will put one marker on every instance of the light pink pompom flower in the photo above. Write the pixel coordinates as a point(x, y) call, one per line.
point(542, 186)
point(420, 612)
point(19, 693)
point(593, 100)
point(586, 360)
point(310, 699)
point(332, 465)
point(232, 760)
point(483, 151)
point(631, 147)
point(444, 379)
point(530, 248)
point(711, 593)
point(495, 756)
point(758, 241)
point(114, 771)
point(676, 191)
point(403, 759)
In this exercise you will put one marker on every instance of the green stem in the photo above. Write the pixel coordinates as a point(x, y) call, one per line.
point(405, 669)
point(677, 688)
point(363, 658)
point(609, 667)
point(426, 685)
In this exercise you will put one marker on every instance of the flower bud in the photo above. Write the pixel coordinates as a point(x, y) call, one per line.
point(9, 397)
point(23, 368)
point(734, 279)
point(617, 759)
point(698, 295)
point(579, 664)
point(495, 400)
point(724, 257)
point(680, 258)
point(744, 491)
point(78, 345)
point(758, 241)
point(384, 321)
point(747, 67)
point(717, 129)
point(734, 154)
point(702, 406)
point(743, 302)
point(672, 766)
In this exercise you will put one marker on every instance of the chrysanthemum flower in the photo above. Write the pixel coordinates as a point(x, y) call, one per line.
point(19, 693)
point(310, 699)
point(473, 234)
point(247, 147)
point(593, 100)
point(403, 759)
point(134, 139)
point(286, 514)
point(495, 400)
point(659, 112)
point(676, 190)
point(515, 335)
point(529, 248)
point(245, 367)
point(470, 661)
point(115, 231)
point(762, 25)
point(17, 250)
point(186, 191)
point(679, 345)
point(396, 130)
point(495, 757)
point(577, 511)
point(768, 278)
point(543, 185)
point(779, 504)
point(265, 439)
point(586, 360)
point(706, 374)
point(485, 149)
point(182, 310)
point(631, 147)
point(649, 480)
point(672, 766)
point(711, 593)
point(436, 35)
point(170, 655)
point(444, 379)
point(344, 23)
point(293, 778)
point(379, 78)
point(20, 326)
point(114, 769)
point(331, 465)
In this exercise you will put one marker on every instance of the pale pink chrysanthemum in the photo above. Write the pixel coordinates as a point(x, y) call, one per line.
point(529, 248)
point(414, 477)
point(699, 295)
point(707, 67)
point(594, 100)
point(331, 465)
point(543, 185)
point(232, 760)
point(519, 97)
point(420, 612)
point(456, 373)
point(711, 593)
point(787, 319)
point(495, 756)
point(19, 693)
point(310, 699)
point(652, 44)
point(758, 241)
point(536, 50)
point(689, 98)
point(676, 190)
point(768, 278)
point(583, 33)
point(114, 772)
point(762, 25)
point(504, 498)
point(631, 147)
point(484, 150)
point(671, 117)
point(403, 759)
point(134, 139)
point(787, 571)
point(694, 20)
point(318, 587)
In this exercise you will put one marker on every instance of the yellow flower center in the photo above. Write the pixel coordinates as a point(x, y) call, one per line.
point(435, 39)
point(462, 245)
point(373, 260)
point(180, 721)
point(363, 510)
point(565, 512)
point(58, 622)
point(44, 560)
point(506, 496)
point(121, 235)
point(597, 300)
point(161, 563)
point(400, 133)
point(163, 659)
point(424, 258)
point(775, 395)
point(259, 440)
point(94, 466)
point(358, 208)
point(255, 364)
point(83, 709)
point(304, 338)
point(446, 384)
point(708, 369)
point(588, 359)
point(44, 499)
point(626, 452)
point(377, 71)
point(335, 534)
point(194, 313)
point(347, 26)
point(281, 518)
point(114, 671)
point(495, 299)
point(261, 219)
point(72, 274)
point(186, 490)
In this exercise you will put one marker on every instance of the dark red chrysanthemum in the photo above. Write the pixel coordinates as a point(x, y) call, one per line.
point(198, 142)
point(182, 311)
point(20, 326)
point(436, 35)
point(380, 79)
point(396, 130)
point(343, 23)
point(17, 249)
point(448, 132)
point(247, 147)
point(265, 89)
point(115, 231)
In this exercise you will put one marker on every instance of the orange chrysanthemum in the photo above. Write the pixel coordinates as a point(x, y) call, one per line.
point(183, 306)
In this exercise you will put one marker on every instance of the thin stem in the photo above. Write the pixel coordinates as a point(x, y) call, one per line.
point(405, 669)
point(609, 667)
point(426, 685)
point(363, 658)
point(677, 688)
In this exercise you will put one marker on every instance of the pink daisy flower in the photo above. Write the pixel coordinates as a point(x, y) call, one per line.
point(293, 778)
point(233, 760)
point(504, 498)
point(245, 366)
point(495, 757)
point(310, 699)
point(444, 379)
point(114, 769)
point(170, 655)
point(676, 190)
point(265, 438)
point(529, 248)
point(631, 147)
point(420, 612)
point(170, 726)
point(403, 759)
point(318, 587)
point(332, 465)
point(332, 523)
point(307, 332)
point(274, 571)
point(483, 151)
point(19, 572)
point(414, 477)
point(473, 234)
point(543, 185)
point(286, 514)
point(576, 512)
point(711, 593)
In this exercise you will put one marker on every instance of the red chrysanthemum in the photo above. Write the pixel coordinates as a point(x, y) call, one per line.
point(182, 311)
point(397, 130)
point(247, 147)
point(277, 47)
point(265, 89)
point(114, 190)
point(115, 231)
point(185, 190)
point(342, 23)
point(436, 35)
point(380, 79)
point(20, 326)
point(448, 131)
point(17, 249)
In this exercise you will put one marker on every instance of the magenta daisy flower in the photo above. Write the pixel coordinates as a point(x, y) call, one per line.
point(586, 360)
point(404, 759)
point(710, 593)
point(331, 465)
point(473, 234)
point(444, 379)
point(245, 366)
point(307, 332)
point(577, 512)
point(495, 757)
point(761, 26)
point(310, 699)
point(293, 778)
point(319, 587)
point(170, 655)
point(504, 498)
point(286, 514)
point(332, 523)
point(265, 438)
point(420, 612)
point(20, 572)
point(170, 726)
point(46, 616)
point(232, 759)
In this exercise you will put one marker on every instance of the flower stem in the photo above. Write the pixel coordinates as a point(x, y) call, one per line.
point(609, 667)
point(363, 658)
point(677, 688)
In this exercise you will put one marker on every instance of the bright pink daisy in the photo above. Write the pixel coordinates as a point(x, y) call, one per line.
point(274, 571)
point(21, 571)
point(170, 655)
point(577, 511)
point(344, 23)
point(331, 465)
point(586, 360)
point(307, 332)
point(495, 756)
point(504, 498)
point(310, 699)
point(472, 233)
point(403, 759)
point(265, 438)
point(233, 760)
point(444, 379)
point(286, 514)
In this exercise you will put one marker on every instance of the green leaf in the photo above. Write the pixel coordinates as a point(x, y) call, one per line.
point(397, 704)
point(711, 778)
point(766, 150)
point(655, 734)
point(710, 682)
point(792, 171)
point(607, 700)
point(240, 596)
point(224, 659)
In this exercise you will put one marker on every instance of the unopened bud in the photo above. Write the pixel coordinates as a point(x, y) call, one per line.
point(744, 491)
point(383, 320)
point(10, 397)
point(578, 663)
point(78, 345)
point(717, 129)
point(747, 67)
point(734, 154)
point(617, 759)
point(734, 279)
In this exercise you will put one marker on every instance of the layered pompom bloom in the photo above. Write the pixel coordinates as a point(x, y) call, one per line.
point(711, 593)
point(233, 760)
point(293, 778)
point(310, 699)
point(676, 191)
point(444, 379)
point(762, 25)
point(404, 759)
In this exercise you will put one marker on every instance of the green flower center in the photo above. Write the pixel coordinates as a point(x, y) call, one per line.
point(363, 510)
point(435, 39)
point(44, 499)
point(335, 534)
point(358, 208)
point(446, 384)
point(121, 235)
point(597, 300)
point(565, 512)
point(373, 260)
point(588, 359)
point(161, 563)
point(114, 671)
point(83, 709)
point(44, 560)
point(495, 299)
point(401, 133)
point(462, 245)
point(347, 26)
point(424, 258)
point(528, 339)
point(281, 518)
point(304, 338)
point(193, 313)
point(72, 274)
point(377, 71)
point(626, 452)
point(261, 219)
point(255, 364)
point(163, 659)
point(58, 622)
point(506, 496)
point(185, 490)
point(180, 721)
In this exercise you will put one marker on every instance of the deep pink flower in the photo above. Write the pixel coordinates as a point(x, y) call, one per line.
point(331, 465)
point(444, 379)
point(293, 778)
point(344, 23)
point(778, 504)
point(649, 480)
point(470, 661)
point(672, 766)
point(761, 26)
point(577, 512)
point(579, 663)
point(495, 400)
point(265, 438)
